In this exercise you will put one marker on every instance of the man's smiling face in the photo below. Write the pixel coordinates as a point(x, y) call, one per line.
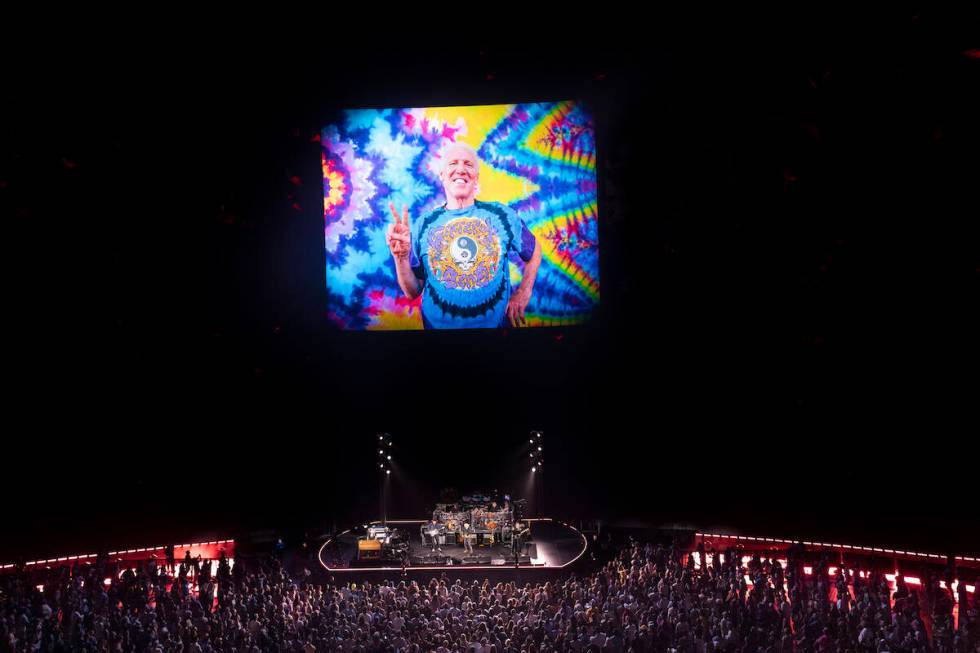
point(460, 173)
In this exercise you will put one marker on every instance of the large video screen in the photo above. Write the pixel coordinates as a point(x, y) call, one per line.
point(461, 217)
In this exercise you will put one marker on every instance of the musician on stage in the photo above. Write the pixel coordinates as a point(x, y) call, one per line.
point(516, 541)
point(467, 539)
point(432, 530)
point(478, 519)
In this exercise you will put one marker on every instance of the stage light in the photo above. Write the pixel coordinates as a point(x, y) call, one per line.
point(539, 448)
point(532, 454)
point(534, 469)
point(381, 465)
point(381, 451)
point(387, 471)
point(389, 457)
point(381, 437)
point(531, 440)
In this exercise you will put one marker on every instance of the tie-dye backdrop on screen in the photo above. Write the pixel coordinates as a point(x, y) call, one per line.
point(539, 159)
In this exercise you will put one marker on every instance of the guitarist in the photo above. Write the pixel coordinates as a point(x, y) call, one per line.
point(468, 537)
point(517, 541)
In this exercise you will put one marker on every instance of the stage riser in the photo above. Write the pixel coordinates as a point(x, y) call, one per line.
point(482, 561)
point(552, 544)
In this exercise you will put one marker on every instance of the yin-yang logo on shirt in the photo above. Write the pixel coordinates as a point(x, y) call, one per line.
point(463, 252)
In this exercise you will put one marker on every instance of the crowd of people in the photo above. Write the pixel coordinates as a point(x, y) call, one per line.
point(642, 598)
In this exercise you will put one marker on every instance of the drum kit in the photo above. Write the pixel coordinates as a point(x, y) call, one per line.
point(477, 517)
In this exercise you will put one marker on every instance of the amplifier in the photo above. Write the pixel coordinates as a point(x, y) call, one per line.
point(368, 549)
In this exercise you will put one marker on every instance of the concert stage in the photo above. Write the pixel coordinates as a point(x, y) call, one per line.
point(552, 545)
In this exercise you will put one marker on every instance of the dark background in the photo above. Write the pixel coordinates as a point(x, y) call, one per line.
point(786, 343)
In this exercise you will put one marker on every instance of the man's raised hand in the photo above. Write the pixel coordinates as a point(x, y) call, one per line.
point(399, 234)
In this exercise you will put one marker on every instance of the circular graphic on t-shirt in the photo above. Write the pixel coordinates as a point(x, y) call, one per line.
point(464, 253)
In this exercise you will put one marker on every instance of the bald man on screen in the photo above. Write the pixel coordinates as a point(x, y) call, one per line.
point(456, 255)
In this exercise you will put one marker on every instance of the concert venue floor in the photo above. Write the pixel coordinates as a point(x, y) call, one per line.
point(553, 545)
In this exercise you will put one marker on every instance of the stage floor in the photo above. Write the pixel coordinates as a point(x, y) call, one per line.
point(553, 544)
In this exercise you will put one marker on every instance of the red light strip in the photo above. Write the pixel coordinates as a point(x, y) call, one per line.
point(114, 553)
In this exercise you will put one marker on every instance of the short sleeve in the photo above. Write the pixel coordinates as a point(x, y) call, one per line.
point(528, 242)
point(524, 240)
point(415, 256)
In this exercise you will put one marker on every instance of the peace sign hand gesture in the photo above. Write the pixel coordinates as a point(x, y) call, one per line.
point(399, 234)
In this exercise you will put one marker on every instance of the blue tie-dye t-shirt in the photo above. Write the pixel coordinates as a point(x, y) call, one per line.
point(460, 257)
